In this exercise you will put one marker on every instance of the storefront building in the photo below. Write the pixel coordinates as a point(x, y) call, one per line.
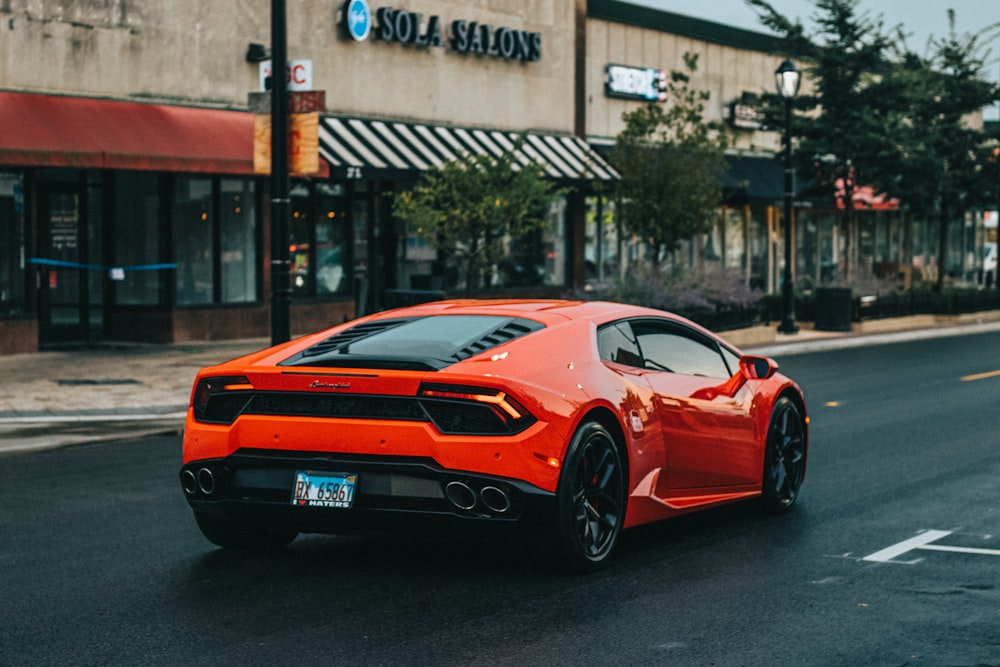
point(884, 249)
point(131, 208)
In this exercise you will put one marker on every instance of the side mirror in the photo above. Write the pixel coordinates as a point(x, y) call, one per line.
point(757, 368)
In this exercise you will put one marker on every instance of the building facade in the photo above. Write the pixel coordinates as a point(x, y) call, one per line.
point(878, 247)
point(131, 207)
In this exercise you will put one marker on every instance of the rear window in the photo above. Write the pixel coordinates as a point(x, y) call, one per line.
point(414, 343)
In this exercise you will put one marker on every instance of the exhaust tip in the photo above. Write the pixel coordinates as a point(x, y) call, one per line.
point(189, 482)
point(460, 495)
point(495, 499)
point(206, 481)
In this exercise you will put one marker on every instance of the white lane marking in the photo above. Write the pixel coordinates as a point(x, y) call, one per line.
point(923, 541)
point(888, 554)
point(961, 550)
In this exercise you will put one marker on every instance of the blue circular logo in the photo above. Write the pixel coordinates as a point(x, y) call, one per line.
point(358, 19)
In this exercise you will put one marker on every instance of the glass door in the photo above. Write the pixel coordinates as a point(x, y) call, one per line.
point(61, 266)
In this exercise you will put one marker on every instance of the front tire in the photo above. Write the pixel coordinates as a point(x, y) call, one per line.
point(784, 457)
point(241, 535)
point(590, 500)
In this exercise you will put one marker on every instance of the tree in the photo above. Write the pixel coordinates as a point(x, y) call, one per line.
point(941, 166)
point(671, 163)
point(837, 130)
point(882, 115)
point(473, 207)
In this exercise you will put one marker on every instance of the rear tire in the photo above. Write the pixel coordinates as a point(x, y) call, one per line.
point(590, 501)
point(784, 456)
point(243, 536)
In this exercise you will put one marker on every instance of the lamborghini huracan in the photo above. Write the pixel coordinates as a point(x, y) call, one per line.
point(562, 421)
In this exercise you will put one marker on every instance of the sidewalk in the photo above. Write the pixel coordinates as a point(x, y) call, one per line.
point(111, 391)
point(120, 390)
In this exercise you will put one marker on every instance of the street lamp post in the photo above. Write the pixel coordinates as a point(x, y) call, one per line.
point(281, 287)
point(788, 79)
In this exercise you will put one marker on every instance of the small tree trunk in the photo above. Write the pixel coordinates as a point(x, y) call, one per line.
point(942, 245)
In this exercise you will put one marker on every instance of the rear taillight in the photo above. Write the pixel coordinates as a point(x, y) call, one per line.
point(464, 409)
point(220, 400)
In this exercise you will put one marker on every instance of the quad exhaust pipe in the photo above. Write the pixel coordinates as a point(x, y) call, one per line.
point(465, 497)
point(201, 480)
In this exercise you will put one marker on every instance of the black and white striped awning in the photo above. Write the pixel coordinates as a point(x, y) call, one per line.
point(363, 148)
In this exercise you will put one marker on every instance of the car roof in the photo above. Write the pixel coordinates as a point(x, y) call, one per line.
point(547, 311)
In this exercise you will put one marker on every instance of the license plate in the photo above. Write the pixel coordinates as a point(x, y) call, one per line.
point(326, 490)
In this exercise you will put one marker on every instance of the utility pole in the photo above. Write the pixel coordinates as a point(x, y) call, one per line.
point(281, 267)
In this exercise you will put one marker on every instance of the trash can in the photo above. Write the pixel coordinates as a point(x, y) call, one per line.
point(833, 309)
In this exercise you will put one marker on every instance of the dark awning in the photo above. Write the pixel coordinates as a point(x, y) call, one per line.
point(359, 147)
point(54, 131)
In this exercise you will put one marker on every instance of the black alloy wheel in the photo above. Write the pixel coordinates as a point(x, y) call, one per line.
point(591, 499)
point(785, 456)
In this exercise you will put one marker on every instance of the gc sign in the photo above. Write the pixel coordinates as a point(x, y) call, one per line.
point(298, 75)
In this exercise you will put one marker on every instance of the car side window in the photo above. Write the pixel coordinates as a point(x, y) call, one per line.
point(732, 360)
point(674, 348)
point(616, 342)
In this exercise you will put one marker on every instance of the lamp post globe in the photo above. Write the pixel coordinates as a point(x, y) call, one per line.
point(787, 79)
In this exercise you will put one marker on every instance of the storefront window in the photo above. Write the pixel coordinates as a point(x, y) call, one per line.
point(715, 245)
point(137, 238)
point(758, 248)
point(735, 241)
point(12, 257)
point(238, 240)
point(95, 249)
point(601, 250)
point(331, 240)
point(193, 240)
point(807, 235)
point(215, 240)
point(299, 235)
point(318, 240)
point(554, 245)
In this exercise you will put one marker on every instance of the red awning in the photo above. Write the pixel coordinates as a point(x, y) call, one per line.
point(52, 131)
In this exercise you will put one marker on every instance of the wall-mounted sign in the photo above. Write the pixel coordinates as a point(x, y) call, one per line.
point(399, 25)
point(413, 28)
point(357, 20)
point(745, 114)
point(298, 75)
point(635, 83)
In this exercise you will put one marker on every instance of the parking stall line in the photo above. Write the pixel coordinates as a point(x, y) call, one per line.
point(961, 550)
point(924, 542)
point(888, 554)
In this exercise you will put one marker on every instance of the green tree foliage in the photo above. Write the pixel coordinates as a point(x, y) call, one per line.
point(883, 116)
point(671, 163)
point(472, 208)
point(936, 163)
point(837, 131)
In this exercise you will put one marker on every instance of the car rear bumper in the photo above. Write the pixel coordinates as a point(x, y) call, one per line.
point(392, 493)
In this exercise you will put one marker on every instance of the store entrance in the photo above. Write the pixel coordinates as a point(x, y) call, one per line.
point(61, 266)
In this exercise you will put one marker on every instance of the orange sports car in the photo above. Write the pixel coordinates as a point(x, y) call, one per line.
point(565, 420)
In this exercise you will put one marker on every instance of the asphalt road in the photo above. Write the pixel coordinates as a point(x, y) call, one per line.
point(892, 557)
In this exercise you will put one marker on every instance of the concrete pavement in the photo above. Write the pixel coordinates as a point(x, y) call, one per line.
point(117, 391)
point(106, 392)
